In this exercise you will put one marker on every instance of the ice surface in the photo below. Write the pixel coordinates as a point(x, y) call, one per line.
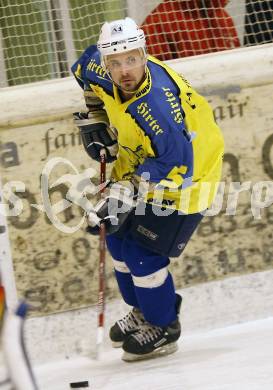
point(238, 357)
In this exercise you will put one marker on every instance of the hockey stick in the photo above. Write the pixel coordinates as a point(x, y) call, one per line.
point(16, 358)
point(4, 383)
point(2, 304)
point(101, 298)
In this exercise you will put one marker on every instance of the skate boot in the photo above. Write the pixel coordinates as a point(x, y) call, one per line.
point(125, 327)
point(150, 341)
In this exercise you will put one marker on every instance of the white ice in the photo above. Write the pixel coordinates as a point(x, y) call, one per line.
point(238, 357)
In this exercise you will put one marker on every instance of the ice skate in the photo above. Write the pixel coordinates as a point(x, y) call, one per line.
point(126, 326)
point(150, 341)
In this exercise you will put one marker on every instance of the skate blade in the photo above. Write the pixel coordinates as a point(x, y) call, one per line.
point(161, 351)
point(117, 344)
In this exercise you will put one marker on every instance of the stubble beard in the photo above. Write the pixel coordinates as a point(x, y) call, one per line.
point(128, 86)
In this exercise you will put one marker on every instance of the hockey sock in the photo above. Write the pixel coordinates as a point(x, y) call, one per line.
point(158, 304)
point(127, 288)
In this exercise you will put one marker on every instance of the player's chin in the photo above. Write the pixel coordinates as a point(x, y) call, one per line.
point(128, 85)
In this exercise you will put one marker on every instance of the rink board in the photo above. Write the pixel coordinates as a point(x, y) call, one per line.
point(57, 271)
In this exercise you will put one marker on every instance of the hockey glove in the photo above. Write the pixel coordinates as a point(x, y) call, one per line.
point(96, 134)
point(113, 209)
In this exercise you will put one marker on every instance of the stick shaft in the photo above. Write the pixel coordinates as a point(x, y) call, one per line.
point(102, 249)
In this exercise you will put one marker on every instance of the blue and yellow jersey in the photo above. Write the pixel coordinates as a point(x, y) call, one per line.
point(166, 129)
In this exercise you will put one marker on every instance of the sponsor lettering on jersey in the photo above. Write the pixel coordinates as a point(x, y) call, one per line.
point(146, 88)
point(144, 110)
point(174, 103)
point(94, 67)
point(161, 202)
point(142, 92)
point(185, 81)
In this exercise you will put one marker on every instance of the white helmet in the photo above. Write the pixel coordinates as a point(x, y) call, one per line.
point(120, 36)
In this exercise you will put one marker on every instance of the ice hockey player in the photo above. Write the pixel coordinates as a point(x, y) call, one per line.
point(161, 135)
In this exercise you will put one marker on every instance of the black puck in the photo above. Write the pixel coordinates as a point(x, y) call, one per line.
point(77, 385)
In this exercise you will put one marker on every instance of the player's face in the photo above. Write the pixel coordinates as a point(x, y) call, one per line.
point(127, 69)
